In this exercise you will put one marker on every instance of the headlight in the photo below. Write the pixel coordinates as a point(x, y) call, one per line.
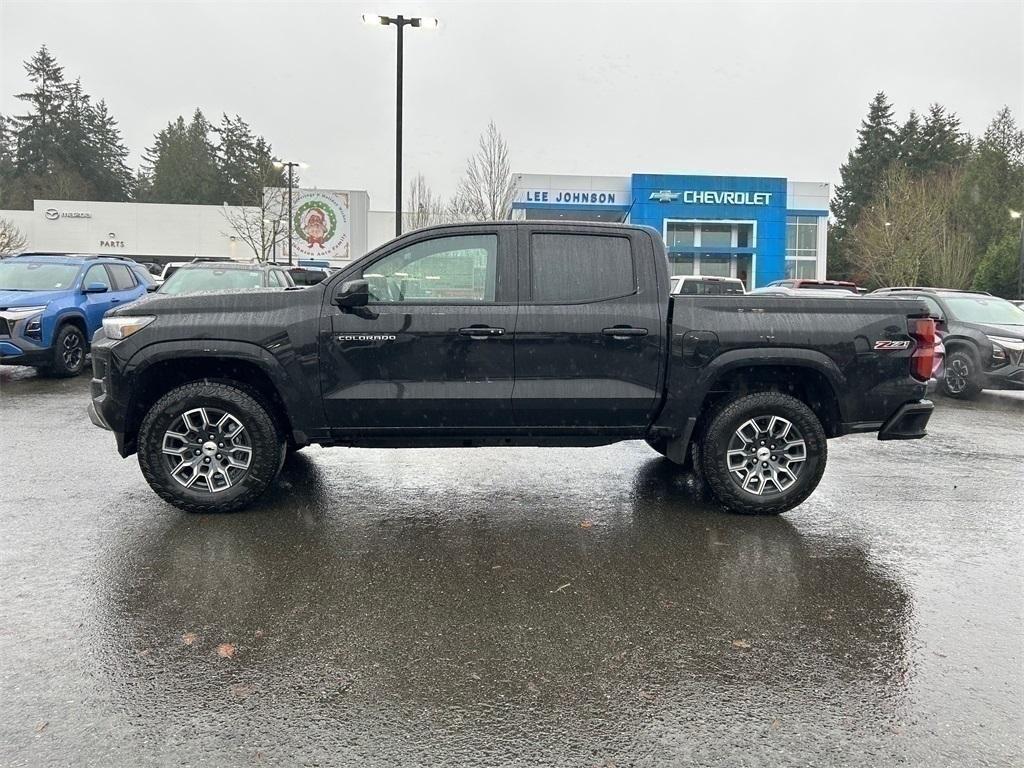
point(123, 327)
point(1003, 348)
point(20, 313)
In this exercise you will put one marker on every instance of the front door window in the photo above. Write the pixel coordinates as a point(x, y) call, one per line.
point(444, 270)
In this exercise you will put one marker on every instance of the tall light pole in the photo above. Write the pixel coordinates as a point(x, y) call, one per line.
point(400, 22)
point(1020, 257)
point(291, 166)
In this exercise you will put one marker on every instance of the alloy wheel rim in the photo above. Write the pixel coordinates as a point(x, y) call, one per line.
point(71, 351)
point(207, 450)
point(765, 455)
point(956, 376)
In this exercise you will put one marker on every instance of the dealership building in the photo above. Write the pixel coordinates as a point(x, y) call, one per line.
point(757, 229)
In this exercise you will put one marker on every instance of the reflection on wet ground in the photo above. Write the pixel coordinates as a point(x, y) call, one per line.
point(523, 606)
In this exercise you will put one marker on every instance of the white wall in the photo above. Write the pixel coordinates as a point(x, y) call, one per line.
point(151, 229)
point(807, 195)
point(130, 229)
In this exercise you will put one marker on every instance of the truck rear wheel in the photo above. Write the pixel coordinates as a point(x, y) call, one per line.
point(209, 447)
point(763, 453)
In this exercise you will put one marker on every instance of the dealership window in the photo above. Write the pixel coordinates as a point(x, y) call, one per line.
point(802, 247)
point(715, 265)
point(460, 268)
point(579, 268)
point(680, 264)
point(696, 248)
point(716, 235)
point(680, 234)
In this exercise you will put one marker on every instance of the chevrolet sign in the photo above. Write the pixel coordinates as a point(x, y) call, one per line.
point(712, 197)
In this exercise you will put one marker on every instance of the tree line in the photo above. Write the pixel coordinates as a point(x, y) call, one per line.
point(68, 146)
point(925, 203)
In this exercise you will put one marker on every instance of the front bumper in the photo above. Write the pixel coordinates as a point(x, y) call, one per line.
point(909, 422)
point(1006, 377)
point(105, 410)
point(12, 354)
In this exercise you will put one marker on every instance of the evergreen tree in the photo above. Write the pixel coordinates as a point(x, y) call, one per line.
point(944, 145)
point(39, 131)
point(865, 166)
point(994, 182)
point(8, 147)
point(911, 143)
point(114, 180)
point(182, 165)
point(246, 163)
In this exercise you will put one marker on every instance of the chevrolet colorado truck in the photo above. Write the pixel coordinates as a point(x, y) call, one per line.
point(507, 334)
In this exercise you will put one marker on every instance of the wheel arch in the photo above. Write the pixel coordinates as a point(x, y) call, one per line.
point(811, 384)
point(71, 317)
point(161, 371)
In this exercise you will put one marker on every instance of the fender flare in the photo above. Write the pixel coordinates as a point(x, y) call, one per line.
point(774, 356)
point(291, 393)
point(677, 422)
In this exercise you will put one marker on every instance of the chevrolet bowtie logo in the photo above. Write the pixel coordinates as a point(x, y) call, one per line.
point(665, 196)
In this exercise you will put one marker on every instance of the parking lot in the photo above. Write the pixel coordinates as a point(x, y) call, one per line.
point(513, 606)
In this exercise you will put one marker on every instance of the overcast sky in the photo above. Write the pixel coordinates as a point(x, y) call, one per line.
point(773, 89)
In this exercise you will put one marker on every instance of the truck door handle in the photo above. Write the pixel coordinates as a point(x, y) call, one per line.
point(481, 331)
point(624, 331)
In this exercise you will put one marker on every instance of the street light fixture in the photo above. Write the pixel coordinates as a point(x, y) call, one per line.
point(291, 166)
point(400, 22)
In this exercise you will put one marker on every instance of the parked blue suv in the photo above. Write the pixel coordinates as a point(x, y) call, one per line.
point(51, 305)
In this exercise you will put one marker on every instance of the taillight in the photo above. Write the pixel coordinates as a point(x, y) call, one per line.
point(923, 360)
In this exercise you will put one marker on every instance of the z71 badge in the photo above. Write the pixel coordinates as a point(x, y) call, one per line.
point(887, 344)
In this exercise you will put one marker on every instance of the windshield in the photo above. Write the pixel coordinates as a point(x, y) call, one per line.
point(35, 276)
point(988, 310)
point(197, 280)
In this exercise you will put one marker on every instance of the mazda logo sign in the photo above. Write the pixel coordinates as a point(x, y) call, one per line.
point(53, 214)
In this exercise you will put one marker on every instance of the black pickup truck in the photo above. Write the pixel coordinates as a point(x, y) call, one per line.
point(504, 334)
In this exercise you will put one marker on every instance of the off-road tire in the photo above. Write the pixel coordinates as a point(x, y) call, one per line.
point(266, 442)
point(723, 426)
point(960, 362)
point(69, 349)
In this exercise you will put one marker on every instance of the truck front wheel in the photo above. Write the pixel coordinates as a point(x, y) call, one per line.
point(209, 447)
point(763, 453)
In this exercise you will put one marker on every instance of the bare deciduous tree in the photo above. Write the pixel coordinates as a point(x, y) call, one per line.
point(423, 208)
point(485, 192)
point(12, 241)
point(263, 227)
point(955, 259)
point(910, 234)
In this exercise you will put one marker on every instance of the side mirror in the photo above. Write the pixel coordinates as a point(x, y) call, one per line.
point(96, 288)
point(352, 293)
point(151, 288)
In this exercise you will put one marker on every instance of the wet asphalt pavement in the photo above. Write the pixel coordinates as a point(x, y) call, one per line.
point(510, 606)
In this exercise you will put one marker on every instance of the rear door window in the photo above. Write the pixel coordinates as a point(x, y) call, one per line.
point(574, 269)
point(121, 277)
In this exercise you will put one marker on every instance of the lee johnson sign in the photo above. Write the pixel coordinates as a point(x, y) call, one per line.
point(708, 197)
point(569, 197)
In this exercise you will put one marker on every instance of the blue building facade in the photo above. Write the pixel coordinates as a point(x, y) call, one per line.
point(757, 229)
